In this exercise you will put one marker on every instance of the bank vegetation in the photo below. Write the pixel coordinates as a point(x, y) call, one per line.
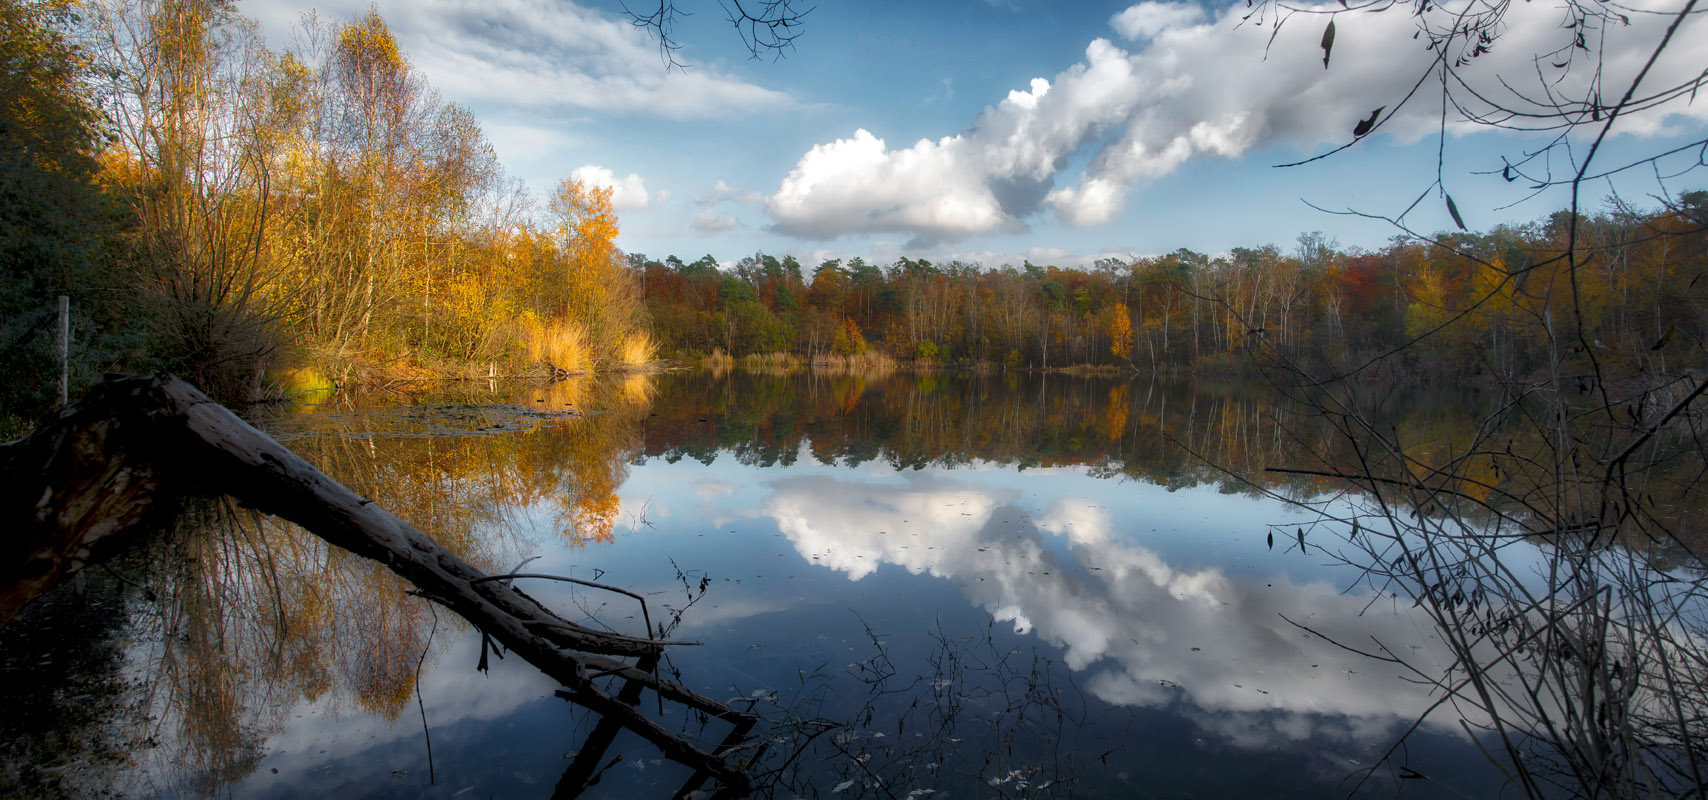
point(260, 221)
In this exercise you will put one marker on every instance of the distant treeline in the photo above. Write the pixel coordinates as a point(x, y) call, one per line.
point(1481, 302)
point(1477, 446)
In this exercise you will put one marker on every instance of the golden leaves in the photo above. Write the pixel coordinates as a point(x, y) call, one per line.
point(1119, 328)
point(369, 43)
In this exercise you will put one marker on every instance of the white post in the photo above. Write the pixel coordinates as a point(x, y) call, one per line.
point(64, 350)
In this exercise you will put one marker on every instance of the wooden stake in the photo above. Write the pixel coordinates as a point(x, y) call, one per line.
point(64, 344)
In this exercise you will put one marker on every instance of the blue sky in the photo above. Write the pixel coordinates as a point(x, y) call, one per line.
point(995, 131)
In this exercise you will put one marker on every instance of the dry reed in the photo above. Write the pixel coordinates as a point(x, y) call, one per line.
point(770, 363)
point(871, 362)
point(638, 349)
point(563, 344)
point(719, 362)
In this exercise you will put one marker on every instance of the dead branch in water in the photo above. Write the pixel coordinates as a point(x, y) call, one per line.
point(117, 464)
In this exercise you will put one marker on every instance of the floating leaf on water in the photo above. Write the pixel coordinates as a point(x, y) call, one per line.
point(842, 787)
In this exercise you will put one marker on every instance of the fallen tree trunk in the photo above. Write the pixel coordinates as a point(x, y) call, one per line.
point(118, 463)
point(82, 485)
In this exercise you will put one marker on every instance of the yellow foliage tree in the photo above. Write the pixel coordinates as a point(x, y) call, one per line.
point(1119, 328)
point(587, 282)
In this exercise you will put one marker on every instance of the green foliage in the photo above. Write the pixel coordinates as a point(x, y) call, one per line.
point(761, 331)
point(785, 299)
point(734, 292)
point(57, 229)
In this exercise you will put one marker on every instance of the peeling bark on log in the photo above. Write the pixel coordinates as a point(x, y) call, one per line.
point(115, 465)
point(79, 487)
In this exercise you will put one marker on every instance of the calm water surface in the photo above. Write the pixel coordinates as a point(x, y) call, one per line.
point(994, 586)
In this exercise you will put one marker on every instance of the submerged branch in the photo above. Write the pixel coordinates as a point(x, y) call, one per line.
point(117, 464)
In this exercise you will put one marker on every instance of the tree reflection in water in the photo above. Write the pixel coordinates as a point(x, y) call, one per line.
point(234, 618)
point(235, 623)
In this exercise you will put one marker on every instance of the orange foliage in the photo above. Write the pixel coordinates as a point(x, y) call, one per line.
point(1119, 328)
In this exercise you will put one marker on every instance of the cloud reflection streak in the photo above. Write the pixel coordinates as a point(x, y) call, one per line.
point(1146, 633)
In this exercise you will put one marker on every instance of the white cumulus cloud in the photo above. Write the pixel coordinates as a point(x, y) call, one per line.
point(859, 184)
point(1149, 19)
point(627, 193)
point(1192, 86)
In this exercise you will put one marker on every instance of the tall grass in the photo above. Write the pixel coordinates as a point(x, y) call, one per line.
point(871, 362)
point(563, 344)
point(771, 363)
point(638, 349)
point(719, 362)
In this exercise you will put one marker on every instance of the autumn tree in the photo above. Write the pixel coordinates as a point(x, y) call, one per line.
point(1118, 326)
point(179, 81)
point(391, 199)
point(58, 228)
point(589, 286)
point(326, 201)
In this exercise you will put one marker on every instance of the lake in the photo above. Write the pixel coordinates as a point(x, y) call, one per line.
point(926, 584)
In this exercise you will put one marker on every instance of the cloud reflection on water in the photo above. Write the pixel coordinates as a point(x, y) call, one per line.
point(1143, 632)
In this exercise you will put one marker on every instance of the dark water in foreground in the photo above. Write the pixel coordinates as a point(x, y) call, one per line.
point(995, 586)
